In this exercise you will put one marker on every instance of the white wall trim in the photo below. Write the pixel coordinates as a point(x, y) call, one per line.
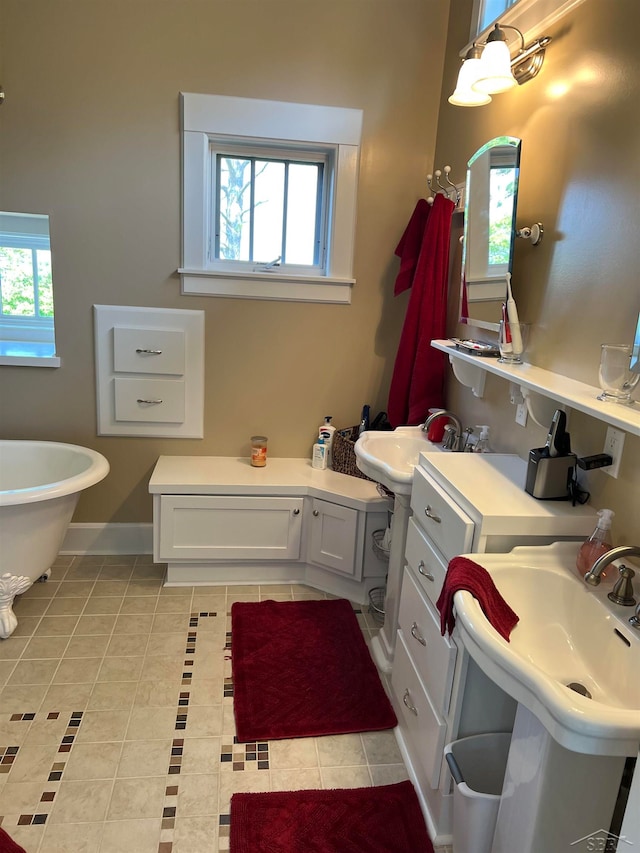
point(108, 539)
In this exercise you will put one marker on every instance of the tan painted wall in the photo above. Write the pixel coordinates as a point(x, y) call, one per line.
point(89, 134)
point(580, 174)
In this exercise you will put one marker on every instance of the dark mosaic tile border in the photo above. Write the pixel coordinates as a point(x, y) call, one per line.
point(170, 804)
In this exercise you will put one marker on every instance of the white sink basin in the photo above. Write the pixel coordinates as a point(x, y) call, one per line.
point(568, 633)
point(390, 457)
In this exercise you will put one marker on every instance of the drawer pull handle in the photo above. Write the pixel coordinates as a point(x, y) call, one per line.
point(415, 633)
point(296, 512)
point(150, 402)
point(149, 351)
point(407, 701)
point(316, 513)
point(424, 571)
point(431, 514)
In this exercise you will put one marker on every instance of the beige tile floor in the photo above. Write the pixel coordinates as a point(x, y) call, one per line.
point(116, 716)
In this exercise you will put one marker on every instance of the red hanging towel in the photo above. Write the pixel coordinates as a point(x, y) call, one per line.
point(419, 372)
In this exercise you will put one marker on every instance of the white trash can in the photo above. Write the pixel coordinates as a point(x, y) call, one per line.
point(478, 765)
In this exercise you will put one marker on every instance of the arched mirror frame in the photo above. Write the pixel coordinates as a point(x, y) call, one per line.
point(484, 266)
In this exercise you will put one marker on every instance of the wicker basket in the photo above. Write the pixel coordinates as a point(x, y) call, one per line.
point(342, 453)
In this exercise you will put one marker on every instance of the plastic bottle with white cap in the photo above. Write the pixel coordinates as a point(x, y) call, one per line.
point(482, 444)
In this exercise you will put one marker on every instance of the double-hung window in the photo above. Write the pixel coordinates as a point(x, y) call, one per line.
point(269, 198)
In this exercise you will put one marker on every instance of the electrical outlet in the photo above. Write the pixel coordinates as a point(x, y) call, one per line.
point(521, 414)
point(613, 444)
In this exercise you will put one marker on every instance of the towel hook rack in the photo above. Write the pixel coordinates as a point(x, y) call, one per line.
point(446, 189)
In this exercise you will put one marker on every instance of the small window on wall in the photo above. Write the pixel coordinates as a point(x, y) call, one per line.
point(270, 210)
point(269, 192)
point(489, 11)
point(531, 17)
point(27, 335)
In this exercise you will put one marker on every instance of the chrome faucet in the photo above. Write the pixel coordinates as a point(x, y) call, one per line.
point(622, 592)
point(454, 444)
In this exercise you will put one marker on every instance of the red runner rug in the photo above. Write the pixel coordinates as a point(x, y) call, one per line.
point(302, 669)
point(384, 819)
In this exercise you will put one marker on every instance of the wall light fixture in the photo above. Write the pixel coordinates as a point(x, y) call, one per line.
point(488, 68)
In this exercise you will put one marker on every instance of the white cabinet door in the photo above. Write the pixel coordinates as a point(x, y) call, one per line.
point(333, 531)
point(204, 527)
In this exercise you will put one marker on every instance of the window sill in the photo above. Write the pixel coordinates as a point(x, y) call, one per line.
point(267, 286)
point(28, 354)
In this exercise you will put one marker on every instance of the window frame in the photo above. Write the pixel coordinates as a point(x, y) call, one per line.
point(268, 125)
point(27, 340)
point(531, 17)
point(291, 156)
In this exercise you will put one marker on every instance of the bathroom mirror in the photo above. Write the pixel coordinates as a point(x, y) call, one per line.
point(489, 230)
point(26, 287)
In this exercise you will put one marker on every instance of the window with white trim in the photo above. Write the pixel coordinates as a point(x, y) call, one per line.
point(27, 334)
point(531, 17)
point(269, 198)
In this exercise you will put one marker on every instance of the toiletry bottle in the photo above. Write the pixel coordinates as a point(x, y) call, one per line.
point(596, 545)
point(319, 457)
point(482, 444)
point(364, 420)
point(326, 432)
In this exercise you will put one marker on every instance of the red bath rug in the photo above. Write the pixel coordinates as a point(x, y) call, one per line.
point(385, 819)
point(8, 845)
point(302, 669)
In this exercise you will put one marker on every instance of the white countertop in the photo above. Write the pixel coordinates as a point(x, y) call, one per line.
point(229, 475)
point(493, 485)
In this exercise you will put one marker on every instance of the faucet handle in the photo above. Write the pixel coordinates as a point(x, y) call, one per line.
point(634, 620)
point(622, 593)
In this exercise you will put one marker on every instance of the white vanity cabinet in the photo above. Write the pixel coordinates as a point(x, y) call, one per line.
point(461, 503)
point(217, 520)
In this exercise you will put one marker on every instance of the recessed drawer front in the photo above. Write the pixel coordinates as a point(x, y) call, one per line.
point(428, 564)
point(149, 400)
point(420, 723)
point(434, 656)
point(445, 523)
point(203, 527)
point(148, 351)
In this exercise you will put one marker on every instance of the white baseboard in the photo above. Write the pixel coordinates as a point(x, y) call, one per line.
point(108, 539)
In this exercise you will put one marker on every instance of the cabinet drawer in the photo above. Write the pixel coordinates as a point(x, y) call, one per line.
point(149, 400)
point(427, 563)
point(203, 527)
point(422, 726)
point(434, 656)
point(445, 523)
point(148, 350)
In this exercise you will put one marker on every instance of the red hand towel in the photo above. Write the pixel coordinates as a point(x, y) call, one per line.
point(463, 573)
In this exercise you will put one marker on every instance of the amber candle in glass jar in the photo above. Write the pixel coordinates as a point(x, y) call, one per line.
point(259, 450)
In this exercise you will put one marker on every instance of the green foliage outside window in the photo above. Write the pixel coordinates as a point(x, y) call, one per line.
point(18, 269)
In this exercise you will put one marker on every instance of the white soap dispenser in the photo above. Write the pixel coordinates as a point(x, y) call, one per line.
point(326, 432)
point(482, 444)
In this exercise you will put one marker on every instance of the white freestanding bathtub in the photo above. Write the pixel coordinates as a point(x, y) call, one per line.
point(40, 482)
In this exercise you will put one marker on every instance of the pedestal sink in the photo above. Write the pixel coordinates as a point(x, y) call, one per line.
point(573, 659)
point(572, 664)
point(390, 458)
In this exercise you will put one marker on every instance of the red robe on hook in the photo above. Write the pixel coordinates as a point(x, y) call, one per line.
point(419, 372)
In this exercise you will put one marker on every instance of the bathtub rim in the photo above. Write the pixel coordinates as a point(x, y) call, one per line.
point(97, 471)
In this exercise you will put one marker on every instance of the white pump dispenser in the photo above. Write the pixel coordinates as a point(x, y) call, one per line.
point(482, 444)
point(326, 432)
